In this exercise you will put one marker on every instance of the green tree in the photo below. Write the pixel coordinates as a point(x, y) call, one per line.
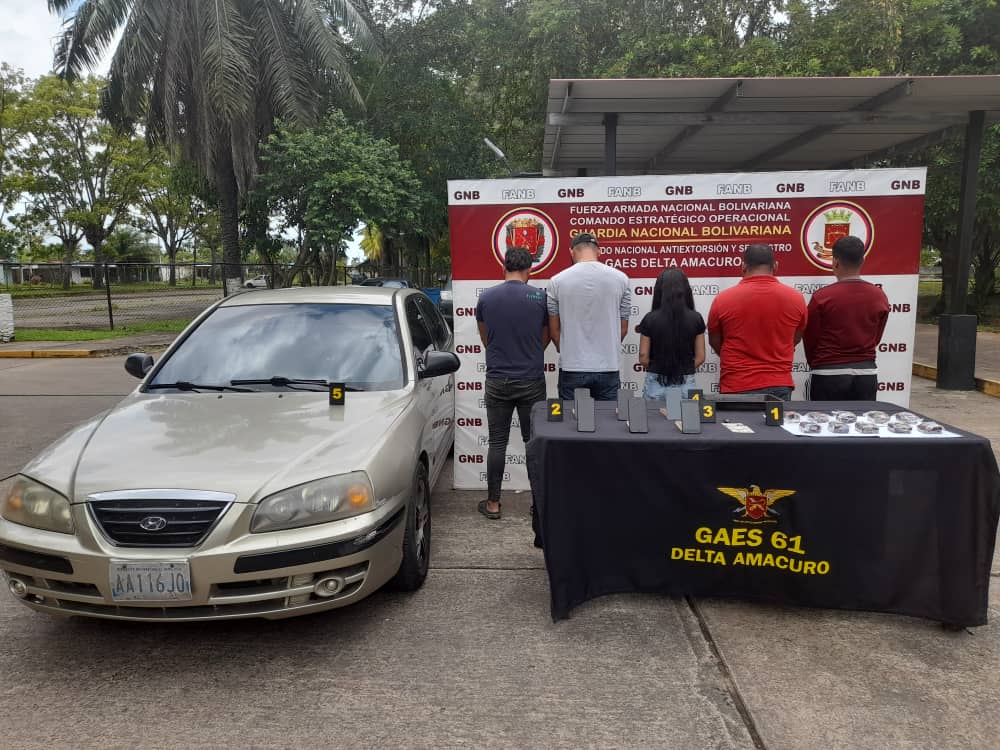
point(941, 217)
point(130, 245)
point(77, 172)
point(324, 181)
point(31, 234)
point(504, 54)
point(208, 239)
point(210, 76)
point(11, 132)
point(415, 101)
point(170, 206)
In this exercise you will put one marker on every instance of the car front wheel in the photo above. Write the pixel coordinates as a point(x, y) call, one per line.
point(417, 537)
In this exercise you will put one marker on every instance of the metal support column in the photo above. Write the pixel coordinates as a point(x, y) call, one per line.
point(956, 330)
point(611, 143)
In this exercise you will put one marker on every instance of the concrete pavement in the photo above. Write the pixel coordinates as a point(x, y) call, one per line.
point(473, 660)
point(987, 357)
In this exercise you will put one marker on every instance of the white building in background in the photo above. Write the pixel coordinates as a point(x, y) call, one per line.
point(49, 273)
point(184, 271)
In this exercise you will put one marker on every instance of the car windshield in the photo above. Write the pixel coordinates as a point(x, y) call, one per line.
point(357, 345)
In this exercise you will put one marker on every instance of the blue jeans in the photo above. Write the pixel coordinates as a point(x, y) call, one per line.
point(653, 391)
point(503, 397)
point(603, 386)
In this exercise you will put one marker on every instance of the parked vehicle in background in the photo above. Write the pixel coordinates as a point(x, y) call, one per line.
point(258, 282)
point(249, 475)
point(391, 283)
point(447, 304)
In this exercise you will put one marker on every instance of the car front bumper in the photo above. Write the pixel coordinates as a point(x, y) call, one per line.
point(271, 575)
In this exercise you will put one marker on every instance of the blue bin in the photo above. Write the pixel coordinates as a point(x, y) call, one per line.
point(434, 294)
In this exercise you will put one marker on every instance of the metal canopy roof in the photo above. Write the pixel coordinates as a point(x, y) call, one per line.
point(674, 125)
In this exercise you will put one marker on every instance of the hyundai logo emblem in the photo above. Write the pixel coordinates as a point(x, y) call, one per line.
point(153, 523)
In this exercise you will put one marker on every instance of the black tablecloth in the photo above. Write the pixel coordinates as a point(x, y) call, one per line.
point(881, 524)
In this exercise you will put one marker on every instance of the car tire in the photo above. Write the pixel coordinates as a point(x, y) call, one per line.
point(248, 285)
point(417, 536)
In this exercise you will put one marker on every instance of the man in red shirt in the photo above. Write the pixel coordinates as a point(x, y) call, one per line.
point(846, 321)
point(754, 327)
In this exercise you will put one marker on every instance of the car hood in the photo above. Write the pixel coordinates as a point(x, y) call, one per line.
point(247, 444)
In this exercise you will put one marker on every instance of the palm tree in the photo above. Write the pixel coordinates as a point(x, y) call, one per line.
point(211, 76)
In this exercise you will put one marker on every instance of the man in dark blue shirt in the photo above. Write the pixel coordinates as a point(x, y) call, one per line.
point(513, 324)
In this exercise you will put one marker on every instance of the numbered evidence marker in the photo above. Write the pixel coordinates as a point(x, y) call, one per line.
point(707, 410)
point(624, 397)
point(691, 416)
point(696, 394)
point(774, 413)
point(586, 419)
point(337, 391)
point(637, 415)
point(554, 408)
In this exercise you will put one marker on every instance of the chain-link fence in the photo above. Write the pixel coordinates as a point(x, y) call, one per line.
point(142, 296)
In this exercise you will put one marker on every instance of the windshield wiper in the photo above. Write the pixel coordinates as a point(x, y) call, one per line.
point(183, 385)
point(279, 381)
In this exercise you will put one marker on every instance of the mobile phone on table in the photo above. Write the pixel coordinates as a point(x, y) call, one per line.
point(690, 416)
point(586, 419)
point(637, 419)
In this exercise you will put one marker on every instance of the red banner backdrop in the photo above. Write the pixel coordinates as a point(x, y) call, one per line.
point(704, 238)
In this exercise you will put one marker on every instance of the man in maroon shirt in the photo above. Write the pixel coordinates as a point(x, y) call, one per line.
point(846, 321)
point(754, 327)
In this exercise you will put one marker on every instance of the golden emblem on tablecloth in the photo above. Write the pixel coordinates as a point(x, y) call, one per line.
point(755, 504)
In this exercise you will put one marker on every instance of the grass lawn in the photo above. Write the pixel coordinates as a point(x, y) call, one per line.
point(930, 287)
point(928, 293)
point(61, 334)
point(28, 291)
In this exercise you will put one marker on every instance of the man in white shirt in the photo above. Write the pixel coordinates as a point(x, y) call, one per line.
point(589, 306)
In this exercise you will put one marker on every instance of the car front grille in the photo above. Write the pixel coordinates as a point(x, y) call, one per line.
point(157, 521)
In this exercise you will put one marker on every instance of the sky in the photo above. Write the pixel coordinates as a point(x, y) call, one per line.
point(27, 37)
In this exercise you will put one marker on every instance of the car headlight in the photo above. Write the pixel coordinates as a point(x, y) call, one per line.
point(321, 501)
point(29, 503)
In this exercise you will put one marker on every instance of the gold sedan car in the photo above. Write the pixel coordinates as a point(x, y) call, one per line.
point(277, 460)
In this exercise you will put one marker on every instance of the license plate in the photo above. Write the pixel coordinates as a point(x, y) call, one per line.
point(150, 581)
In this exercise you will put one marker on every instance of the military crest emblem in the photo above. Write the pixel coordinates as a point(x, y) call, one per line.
point(531, 229)
point(828, 223)
point(755, 503)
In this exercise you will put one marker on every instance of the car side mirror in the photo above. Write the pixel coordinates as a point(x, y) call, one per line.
point(138, 364)
point(438, 363)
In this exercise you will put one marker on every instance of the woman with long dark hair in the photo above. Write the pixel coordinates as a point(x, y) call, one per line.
point(672, 342)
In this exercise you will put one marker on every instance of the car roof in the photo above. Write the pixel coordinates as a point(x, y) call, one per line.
point(358, 295)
